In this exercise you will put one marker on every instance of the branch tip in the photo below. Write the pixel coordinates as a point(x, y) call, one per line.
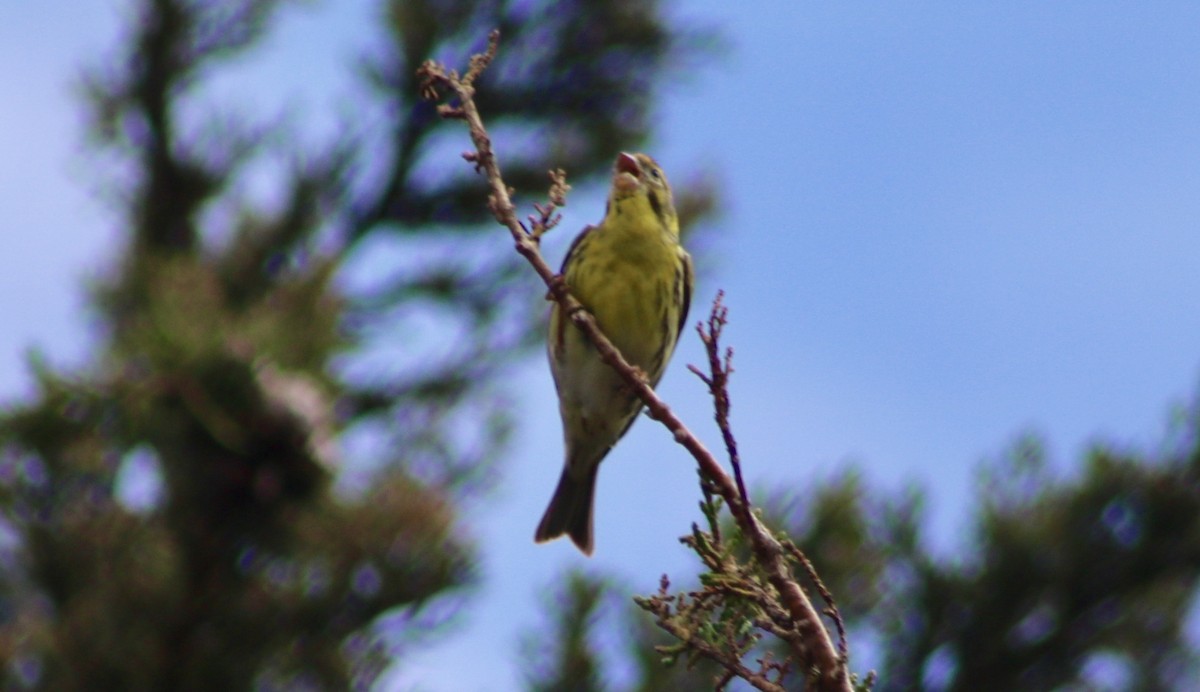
point(480, 61)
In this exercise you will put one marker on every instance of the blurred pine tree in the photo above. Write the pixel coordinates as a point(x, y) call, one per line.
point(215, 376)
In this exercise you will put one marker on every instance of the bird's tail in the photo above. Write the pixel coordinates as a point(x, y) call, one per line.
point(570, 510)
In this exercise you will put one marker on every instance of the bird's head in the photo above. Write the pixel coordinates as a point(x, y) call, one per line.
point(639, 184)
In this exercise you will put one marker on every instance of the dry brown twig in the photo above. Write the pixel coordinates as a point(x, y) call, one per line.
point(718, 384)
point(810, 641)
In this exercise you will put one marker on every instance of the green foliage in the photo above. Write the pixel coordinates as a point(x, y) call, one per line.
point(718, 620)
point(218, 371)
point(1078, 583)
point(566, 661)
point(1062, 574)
point(584, 611)
point(1104, 565)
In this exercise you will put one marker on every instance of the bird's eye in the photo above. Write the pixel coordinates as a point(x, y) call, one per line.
point(655, 174)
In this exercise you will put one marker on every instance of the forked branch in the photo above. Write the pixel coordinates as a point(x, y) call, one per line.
point(810, 641)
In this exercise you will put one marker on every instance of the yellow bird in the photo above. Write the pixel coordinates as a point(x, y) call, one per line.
point(633, 275)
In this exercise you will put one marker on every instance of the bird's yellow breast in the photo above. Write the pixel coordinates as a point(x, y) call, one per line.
point(627, 284)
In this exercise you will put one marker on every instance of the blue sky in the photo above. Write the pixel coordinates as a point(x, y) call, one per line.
point(945, 224)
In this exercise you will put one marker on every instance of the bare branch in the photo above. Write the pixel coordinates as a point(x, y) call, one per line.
point(718, 384)
point(813, 646)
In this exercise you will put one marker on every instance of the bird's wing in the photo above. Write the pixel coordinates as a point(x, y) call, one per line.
point(574, 246)
point(688, 278)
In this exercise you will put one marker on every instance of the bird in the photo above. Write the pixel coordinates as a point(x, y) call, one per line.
point(633, 275)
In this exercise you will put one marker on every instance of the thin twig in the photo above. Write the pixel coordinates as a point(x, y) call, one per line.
point(818, 650)
point(546, 217)
point(718, 384)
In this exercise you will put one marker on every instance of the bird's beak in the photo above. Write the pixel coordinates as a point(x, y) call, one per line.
point(627, 172)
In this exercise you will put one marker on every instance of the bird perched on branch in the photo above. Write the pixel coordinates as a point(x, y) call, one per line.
point(633, 275)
